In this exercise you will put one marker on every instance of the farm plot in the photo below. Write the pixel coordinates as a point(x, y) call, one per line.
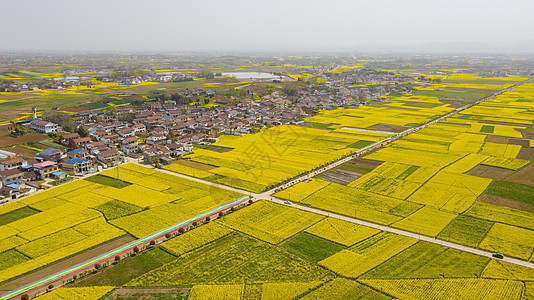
point(509, 240)
point(234, 259)
point(367, 254)
point(341, 232)
point(270, 222)
point(310, 247)
point(201, 236)
point(89, 293)
point(502, 270)
point(342, 288)
point(464, 288)
point(360, 204)
point(426, 260)
point(466, 231)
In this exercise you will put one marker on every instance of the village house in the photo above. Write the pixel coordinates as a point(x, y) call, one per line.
point(76, 166)
point(45, 168)
point(139, 128)
point(156, 139)
point(110, 139)
point(126, 132)
point(43, 126)
point(66, 138)
point(13, 163)
point(110, 157)
point(11, 176)
point(77, 153)
point(130, 145)
point(51, 154)
point(80, 142)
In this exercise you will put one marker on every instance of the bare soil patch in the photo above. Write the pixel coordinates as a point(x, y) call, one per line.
point(453, 103)
point(501, 201)
point(364, 163)
point(524, 176)
point(64, 264)
point(494, 173)
point(389, 127)
point(528, 135)
point(150, 293)
point(341, 176)
point(196, 165)
point(525, 153)
point(496, 139)
point(22, 151)
point(520, 142)
point(31, 137)
point(503, 123)
point(470, 90)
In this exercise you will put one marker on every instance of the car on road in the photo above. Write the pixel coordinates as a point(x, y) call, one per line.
point(497, 255)
point(287, 202)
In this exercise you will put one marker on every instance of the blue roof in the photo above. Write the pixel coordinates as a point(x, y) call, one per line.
point(77, 151)
point(58, 173)
point(75, 161)
point(49, 151)
point(12, 185)
point(26, 167)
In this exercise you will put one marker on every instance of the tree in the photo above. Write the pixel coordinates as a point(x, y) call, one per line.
point(64, 120)
point(82, 131)
point(156, 162)
point(111, 110)
point(290, 90)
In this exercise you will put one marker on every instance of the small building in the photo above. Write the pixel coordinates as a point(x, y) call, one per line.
point(50, 154)
point(45, 168)
point(66, 138)
point(77, 153)
point(58, 175)
point(110, 157)
point(11, 176)
point(76, 166)
point(43, 126)
point(80, 142)
point(13, 163)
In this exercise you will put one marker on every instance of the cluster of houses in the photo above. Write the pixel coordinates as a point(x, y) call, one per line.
point(19, 175)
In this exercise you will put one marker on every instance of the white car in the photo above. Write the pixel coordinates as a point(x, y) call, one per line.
point(287, 202)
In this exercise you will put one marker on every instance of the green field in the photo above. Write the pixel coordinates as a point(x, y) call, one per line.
point(512, 190)
point(129, 269)
point(233, 259)
point(310, 247)
point(18, 214)
point(466, 231)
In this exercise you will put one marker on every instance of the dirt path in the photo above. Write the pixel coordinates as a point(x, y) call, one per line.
point(64, 264)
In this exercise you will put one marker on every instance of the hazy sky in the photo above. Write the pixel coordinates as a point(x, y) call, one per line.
point(307, 25)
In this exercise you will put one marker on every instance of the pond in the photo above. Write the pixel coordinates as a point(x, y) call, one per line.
point(253, 75)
